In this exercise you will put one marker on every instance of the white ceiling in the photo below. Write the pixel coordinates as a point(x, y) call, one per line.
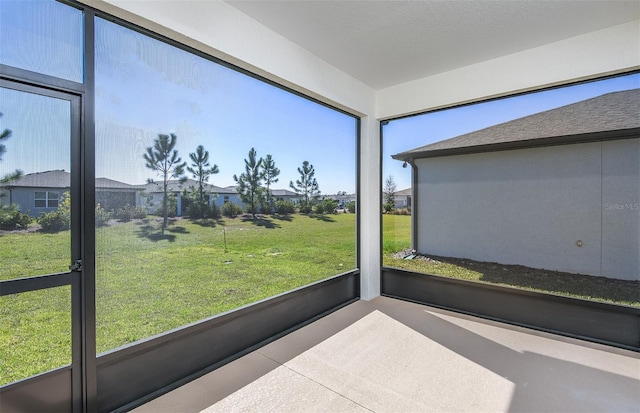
point(386, 42)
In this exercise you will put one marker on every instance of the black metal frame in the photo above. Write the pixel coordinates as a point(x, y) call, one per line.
point(30, 82)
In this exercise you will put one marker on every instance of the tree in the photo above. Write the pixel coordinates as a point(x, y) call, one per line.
point(250, 182)
point(201, 170)
point(389, 193)
point(307, 186)
point(4, 135)
point(270, 175)
point(164, 159)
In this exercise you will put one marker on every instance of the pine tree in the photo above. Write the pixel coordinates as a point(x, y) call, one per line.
point(389, 194)
point(201, 170)
point(307, 186)
point(164, 159)
point(270, 175)
point(249, 183)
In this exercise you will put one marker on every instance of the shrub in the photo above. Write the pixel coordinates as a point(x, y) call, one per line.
point(128, 213)
point(327, 206)
point(11, 218)
point(285, 207)
point(138, 213)
point(172, 206)
point(102, 216)
point(388, 207)
point(305, 207)
point(197, 210)
point(351, 207)
point(265, 208)
point(58, 220)
point(402, 211)
point(231, 210)
point(214, 211)
point(54, 221)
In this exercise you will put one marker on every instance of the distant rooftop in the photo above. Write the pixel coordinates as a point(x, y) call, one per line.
point(610, 116)
point(176, 185)
point(47, 179)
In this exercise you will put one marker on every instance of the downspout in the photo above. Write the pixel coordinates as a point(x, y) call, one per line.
point(414, 195)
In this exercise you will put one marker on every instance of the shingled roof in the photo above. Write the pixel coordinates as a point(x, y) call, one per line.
point(47, 179)
point(60, 179)
point(610, 116)
point(175, 185)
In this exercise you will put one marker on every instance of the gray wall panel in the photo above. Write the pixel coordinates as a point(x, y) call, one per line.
point(599, 322)
point(533, 207)
point(48, 392)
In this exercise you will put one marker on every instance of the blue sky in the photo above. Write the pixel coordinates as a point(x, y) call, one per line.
point(145, 87)
point(411, 132)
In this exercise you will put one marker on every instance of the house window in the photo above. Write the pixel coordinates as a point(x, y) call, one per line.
point(226, 199)
point(46, 199)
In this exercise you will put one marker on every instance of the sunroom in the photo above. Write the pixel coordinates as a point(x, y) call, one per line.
point(108, 308)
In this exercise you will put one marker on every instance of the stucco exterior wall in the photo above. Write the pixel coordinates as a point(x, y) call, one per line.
point(555, 207)
point(621, 208)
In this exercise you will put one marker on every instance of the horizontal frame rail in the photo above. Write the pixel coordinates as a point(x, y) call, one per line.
point(610, 324)
point(41, 282)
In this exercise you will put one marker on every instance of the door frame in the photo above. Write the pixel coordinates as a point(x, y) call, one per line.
point(81, 274)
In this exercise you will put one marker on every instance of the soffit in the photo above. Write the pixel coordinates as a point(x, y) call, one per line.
point(385, 43)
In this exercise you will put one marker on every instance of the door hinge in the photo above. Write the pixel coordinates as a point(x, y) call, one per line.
point(76, 266)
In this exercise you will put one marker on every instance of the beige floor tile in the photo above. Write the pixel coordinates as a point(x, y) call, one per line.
point(283, 390)
point(388, 355)
point(210, 388)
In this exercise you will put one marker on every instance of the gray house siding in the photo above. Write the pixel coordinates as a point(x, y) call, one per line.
point(621, 208)
point(221, 198)
point(534, 206)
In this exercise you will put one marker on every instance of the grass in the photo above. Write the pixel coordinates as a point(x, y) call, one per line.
point(149, 283)
point(396, 237)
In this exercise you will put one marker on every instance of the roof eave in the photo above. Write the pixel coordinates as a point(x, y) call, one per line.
point(524, 144)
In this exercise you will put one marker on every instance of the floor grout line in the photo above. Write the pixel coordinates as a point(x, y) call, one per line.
point(318, 383)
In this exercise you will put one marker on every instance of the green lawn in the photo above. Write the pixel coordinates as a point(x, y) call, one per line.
point(148, 283)
point(396, 237)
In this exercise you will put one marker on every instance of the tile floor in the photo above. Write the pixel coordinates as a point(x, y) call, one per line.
point(388, 355)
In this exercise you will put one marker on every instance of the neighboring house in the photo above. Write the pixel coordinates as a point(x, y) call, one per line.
point(343, 199)
point(402, 199)
point(558, 190)
point(113, 195)
point(285, 195)
point(224, 195)
point(37, 192)
point(153, 192)
point(40, 192)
